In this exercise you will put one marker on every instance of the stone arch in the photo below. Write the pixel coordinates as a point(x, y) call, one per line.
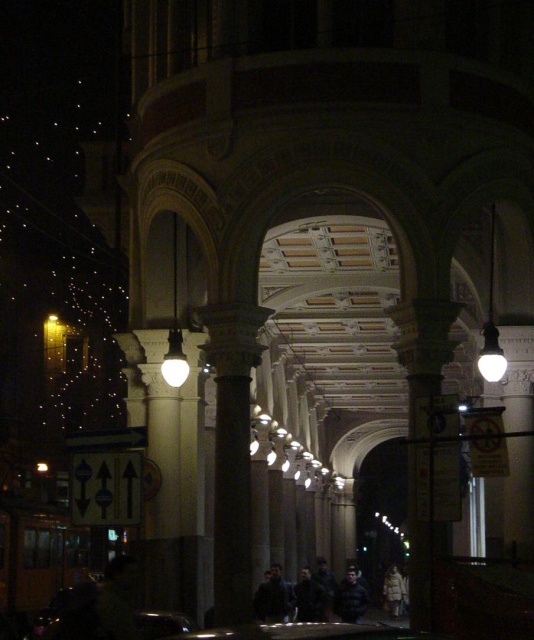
point(350, 450)
point(167, 185)
point(270, 180)
point(502, 177)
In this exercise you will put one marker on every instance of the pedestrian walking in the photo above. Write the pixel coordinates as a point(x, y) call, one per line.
point(351, 599)
point(274, 600)
point(327, 579)
point(310, 598)
point(394, 591)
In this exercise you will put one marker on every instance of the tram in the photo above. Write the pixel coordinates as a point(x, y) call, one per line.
point(40, 553)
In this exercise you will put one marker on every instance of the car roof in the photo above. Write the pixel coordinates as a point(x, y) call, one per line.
point(309, 630)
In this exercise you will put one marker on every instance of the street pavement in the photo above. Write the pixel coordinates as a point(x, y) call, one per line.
point(375, 614)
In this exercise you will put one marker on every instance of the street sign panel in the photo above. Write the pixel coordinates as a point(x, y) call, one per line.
point(107, 488)
point(488, 448)
point(107, 439)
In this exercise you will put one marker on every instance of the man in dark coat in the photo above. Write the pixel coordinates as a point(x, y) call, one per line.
point(311, 598)
point(350, 599)
point(274, 601)
point(327, 579)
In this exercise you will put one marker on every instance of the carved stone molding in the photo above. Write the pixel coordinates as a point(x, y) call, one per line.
point(518, 382)
point(181, 180)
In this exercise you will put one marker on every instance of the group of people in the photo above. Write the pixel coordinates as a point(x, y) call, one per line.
point(314, 598)
point(318, 597)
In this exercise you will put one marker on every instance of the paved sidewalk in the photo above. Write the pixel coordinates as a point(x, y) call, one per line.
point(374, 614)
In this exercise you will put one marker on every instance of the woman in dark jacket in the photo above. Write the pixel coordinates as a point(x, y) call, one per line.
point(350, 599)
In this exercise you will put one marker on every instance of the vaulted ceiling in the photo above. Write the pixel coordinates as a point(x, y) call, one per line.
point(330, 281)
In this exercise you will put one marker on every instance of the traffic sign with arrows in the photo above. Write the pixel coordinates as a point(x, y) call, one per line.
point(107, 488)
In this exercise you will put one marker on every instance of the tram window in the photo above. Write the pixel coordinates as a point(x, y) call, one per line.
point(77, 549)
point(30, 543)
point(43, 549)
point(2, 545)
point(57, 547)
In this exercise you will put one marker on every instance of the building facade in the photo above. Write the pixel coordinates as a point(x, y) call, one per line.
point(332, 168)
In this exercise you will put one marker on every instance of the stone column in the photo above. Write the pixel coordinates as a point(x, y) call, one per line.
point(290, 518)
point(423, 349)
point(323, 519)
point(174, 517)
point(311, 540)
point(276, 504)
point(518, 398)
point(233, 351)
point(302, 521)
point(344, 528)
point(264, 380)
point(261, 550)
point(280, 410)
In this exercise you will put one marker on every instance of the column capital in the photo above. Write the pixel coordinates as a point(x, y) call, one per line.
point(233, 327)
point(157, 387)
point(424, 346)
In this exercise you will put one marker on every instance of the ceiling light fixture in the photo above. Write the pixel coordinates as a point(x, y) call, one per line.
point(175, 368)
point(492, 364)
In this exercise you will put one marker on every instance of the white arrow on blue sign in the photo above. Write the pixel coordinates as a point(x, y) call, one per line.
point(107, 439)
point(107, 488)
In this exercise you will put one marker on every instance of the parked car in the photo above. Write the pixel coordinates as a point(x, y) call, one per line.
point(65, 600)
point(153, 625)
point(310, 630)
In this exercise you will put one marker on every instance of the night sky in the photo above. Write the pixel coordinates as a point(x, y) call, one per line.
point(58, 89)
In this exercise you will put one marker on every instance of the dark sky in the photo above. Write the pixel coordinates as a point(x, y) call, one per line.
point(58, 89)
